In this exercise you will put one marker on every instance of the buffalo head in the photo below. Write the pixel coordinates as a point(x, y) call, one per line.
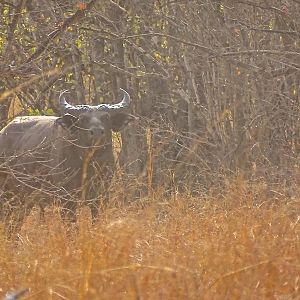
point(92, 124)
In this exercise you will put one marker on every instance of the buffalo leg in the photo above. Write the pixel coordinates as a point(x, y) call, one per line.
point(94, 207)
point(15, 211)
point(68, 210)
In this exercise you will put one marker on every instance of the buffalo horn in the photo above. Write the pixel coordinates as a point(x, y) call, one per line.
point(78, 109)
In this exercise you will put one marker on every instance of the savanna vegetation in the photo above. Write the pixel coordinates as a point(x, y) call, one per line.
point(205, 203)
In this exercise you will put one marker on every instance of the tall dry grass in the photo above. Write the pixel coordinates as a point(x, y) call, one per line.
point(242, 245)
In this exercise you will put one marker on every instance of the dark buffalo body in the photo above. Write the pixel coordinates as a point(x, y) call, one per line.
point(68, 157)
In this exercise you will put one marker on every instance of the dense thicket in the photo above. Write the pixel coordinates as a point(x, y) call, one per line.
point(215, 83)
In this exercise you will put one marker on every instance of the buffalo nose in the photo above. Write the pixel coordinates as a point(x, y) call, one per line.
point(97, 132)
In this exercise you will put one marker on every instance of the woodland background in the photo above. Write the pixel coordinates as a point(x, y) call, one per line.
point(215, 84)
point(213, 154)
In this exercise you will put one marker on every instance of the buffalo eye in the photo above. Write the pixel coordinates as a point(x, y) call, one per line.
point(105, 117)
point(83, 118)
point(66, 121)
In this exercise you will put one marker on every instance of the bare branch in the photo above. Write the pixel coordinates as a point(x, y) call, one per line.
point(68, 22)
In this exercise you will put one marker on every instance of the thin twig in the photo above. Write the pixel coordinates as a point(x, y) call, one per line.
point(68, 22)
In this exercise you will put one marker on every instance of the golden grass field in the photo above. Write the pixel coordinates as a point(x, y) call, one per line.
point(244, 244)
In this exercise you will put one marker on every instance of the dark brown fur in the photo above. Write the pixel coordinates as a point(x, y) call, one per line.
point(63, 157)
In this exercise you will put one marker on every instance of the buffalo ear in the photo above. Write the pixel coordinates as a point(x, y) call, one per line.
point(120, 120)
point(66, 121)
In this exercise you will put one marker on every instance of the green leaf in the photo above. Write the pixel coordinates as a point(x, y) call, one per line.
point(33, 112)
point(49, 112)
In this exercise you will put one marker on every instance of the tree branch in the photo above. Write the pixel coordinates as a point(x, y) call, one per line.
point(68, 22)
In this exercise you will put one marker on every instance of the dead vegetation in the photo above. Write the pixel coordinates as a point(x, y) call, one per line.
point(243, 245)
point(215, 89)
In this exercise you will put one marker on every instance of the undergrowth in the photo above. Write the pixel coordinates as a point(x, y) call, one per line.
point(241, 245)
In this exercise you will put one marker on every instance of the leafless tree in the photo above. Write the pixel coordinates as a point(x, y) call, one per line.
point(215, 83)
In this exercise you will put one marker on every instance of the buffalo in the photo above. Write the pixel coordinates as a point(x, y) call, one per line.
point(69, 156)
